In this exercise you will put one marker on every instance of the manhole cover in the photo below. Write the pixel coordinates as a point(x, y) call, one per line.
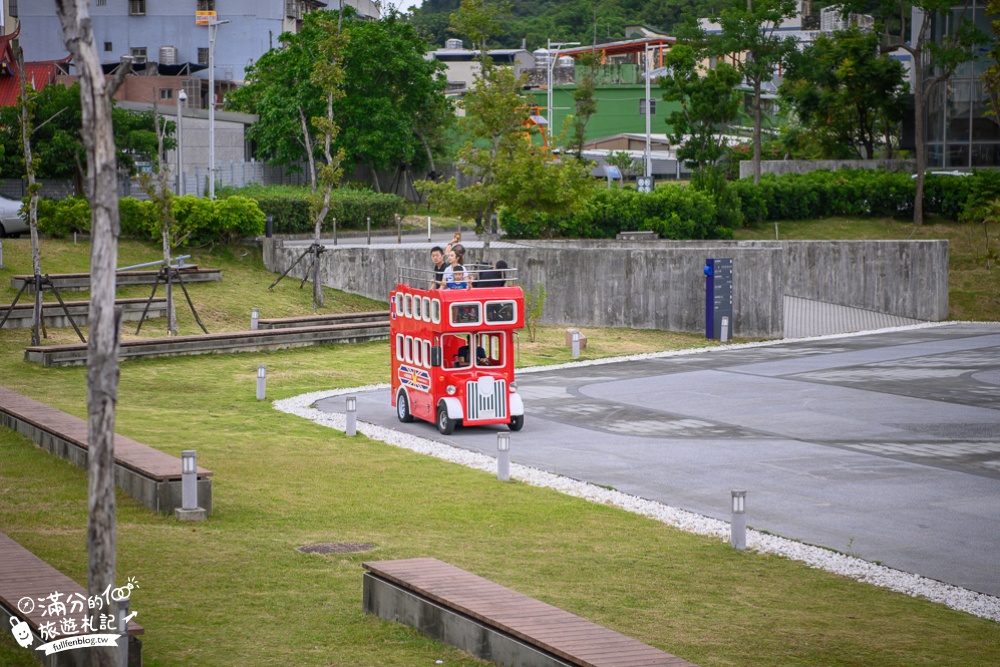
point(335, 548)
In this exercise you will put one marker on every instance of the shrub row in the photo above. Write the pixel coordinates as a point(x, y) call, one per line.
point(197, 221)
point(673, 212)
point(860, 192)
point(294, 209)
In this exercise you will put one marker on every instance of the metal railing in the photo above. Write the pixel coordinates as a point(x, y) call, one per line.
point(179, 264)
point(474, 273)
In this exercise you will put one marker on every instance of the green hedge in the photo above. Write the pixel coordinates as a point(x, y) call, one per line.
point(197, 221)
point(861, 192)
point(674, 212)
point(294, 209)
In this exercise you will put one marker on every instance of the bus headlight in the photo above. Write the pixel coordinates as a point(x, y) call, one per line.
point(451, 390)
point(513, 387)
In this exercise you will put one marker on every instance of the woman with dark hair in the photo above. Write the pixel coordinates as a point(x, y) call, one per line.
point(454, 274)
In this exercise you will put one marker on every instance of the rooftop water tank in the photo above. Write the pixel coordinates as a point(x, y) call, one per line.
point(168, 55)
point(453, 44)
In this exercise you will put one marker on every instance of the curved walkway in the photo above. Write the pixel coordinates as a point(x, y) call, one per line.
point(885, 446)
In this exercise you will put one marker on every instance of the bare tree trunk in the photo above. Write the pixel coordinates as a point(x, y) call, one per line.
point(309, 150)
point(918, 132)
point(756, 131)
point(102, 352)
point(317, 283)
point(29, 169)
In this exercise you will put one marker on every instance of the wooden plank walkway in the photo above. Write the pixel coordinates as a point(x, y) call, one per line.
point(322, 320)
point(550, 629)
point(81, 281)
point(55, 317)
point(23, 574)
point(129, 454)
point(240, 341)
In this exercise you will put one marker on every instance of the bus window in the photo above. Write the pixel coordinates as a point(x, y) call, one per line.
point(427, 354)
point(407, 305)
point(399, 304)
point(417, 349)
point(465, 314)
point(501, 311)
point(427, 309)
point(407, 350)
point(490, 346)
point(399, 347)
point(436, 311)
point(456, 350)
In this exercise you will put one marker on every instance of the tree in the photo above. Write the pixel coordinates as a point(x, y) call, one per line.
point(709, 104)
point(393, 106)
point(509, 170)
point(56, 117)
point(934, 60)
point(479, 20)
point(30, 166)
point(102, 350)
point(750, 31)
point(850, 96)
point(586, 103)
point(627, 165)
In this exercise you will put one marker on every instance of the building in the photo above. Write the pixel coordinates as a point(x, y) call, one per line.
point(462, 65)
point(162, 37)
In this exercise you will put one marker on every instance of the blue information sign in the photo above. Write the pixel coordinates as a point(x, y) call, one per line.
point(718, 297)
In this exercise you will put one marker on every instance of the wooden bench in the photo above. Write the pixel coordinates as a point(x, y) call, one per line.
point(150, 476)
point(54, 315)
point(323, 320)
point(81, 281)
point(25, 575)
point(496, 623)
point(240, 341)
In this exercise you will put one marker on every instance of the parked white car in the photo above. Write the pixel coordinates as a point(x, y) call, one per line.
point(11, 222)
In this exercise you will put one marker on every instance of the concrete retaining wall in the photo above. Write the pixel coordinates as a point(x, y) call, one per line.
point(660, 284)
point(805, 166)
point(905, 278)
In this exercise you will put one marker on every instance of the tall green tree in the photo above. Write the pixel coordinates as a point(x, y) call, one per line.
point(709, 104)
point(584, 96)
point(56, 119)
point(850, 96)
point(750, 30)
point(935, 51)
point(393, 110)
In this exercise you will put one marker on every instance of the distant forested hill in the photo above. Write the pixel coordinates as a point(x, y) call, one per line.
point(565, 20)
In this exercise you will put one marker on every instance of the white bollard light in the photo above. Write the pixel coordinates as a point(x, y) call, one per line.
point(724, 329)
point(428, 229)
point(254, 318)
point(189, 479)
point(352, 415)
point(261, 382)
point(738, 527)
point(576, 344)
point(503, 456)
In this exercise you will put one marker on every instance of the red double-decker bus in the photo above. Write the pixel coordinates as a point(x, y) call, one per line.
point(453, 352)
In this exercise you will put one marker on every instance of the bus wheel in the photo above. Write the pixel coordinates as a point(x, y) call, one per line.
point(516, 423)
point(403, 408)
point(445, 424)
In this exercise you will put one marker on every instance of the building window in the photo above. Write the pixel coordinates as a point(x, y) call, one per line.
point(102, 3)
point(138, 54)
point(202, 55)
point(12, 8)
point(206, 5)
point(137, 7)
point(166, 93)
point(108, 46)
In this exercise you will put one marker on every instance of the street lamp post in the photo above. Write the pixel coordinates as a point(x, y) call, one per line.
point(649, 156)
point(552, 63)
point(181, 99)
point(213, 31)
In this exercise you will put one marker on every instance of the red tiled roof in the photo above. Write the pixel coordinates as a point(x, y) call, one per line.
point(38, 74)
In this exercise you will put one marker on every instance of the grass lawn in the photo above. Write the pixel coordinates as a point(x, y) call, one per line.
point(235, 591)
point(973, 289)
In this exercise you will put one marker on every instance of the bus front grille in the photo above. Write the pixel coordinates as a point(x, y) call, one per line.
point(486, 399)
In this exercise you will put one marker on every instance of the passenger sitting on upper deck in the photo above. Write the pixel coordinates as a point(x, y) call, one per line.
point(454, 275)
point(462, 358)
point(494, 277)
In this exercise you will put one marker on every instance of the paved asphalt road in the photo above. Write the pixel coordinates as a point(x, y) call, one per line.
point(885, 446)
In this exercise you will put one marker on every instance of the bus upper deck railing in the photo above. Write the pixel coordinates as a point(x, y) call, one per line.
point(480, 275)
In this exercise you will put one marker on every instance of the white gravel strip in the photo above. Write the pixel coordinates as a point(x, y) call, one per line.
point(961, 599)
